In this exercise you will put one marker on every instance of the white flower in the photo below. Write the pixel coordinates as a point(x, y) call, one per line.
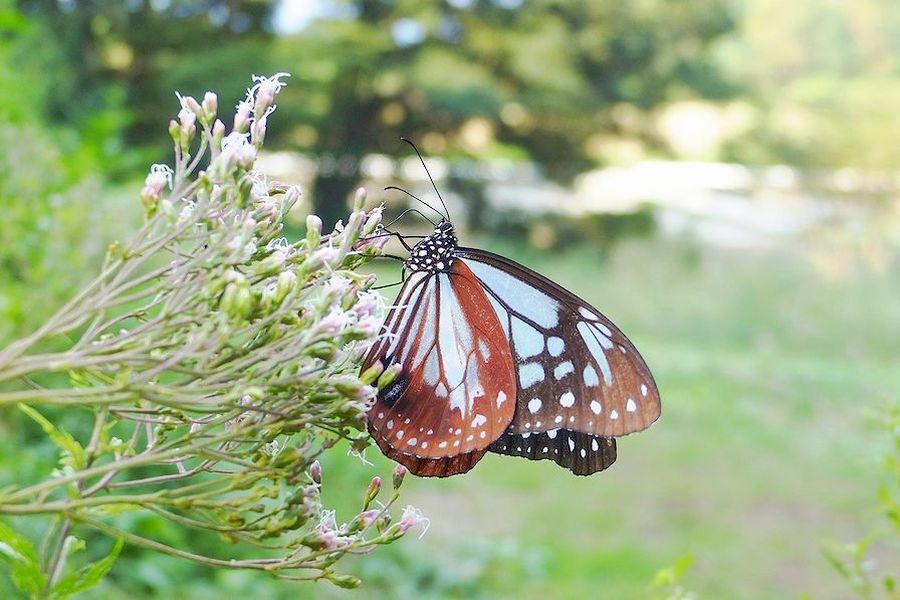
point(334, 321)
point(369, 303)
point(187, 211)
point(412, 517)
point(265, 90)
point(159, 177)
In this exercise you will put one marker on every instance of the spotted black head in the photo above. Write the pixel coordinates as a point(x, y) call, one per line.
point(434, 253)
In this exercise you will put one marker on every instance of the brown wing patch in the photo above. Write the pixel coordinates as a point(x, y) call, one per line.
point(456, 390)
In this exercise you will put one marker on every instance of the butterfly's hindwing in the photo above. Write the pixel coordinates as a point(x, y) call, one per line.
point(575, 369)
point(581, 453)
point(456, 390)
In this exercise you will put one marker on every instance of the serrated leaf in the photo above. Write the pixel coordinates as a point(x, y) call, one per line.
point(24, 569)
point(73, 452)
point(87, 577)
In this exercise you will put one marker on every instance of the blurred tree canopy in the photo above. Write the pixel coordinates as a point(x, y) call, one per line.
point(554, 81)
point(527, 79)
point(500, 77)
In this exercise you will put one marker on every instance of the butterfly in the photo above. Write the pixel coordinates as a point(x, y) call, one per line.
point(495, 357)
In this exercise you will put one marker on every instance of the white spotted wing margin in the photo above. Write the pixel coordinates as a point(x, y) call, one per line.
point(455, 391)
point(581, 453)
point(575, 369)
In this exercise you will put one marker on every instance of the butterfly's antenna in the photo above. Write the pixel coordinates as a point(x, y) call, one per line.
point(406, 212)
point(414, 197)
point(430, 178)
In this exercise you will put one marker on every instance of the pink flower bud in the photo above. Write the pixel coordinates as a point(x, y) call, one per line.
point(368, 517)
point(210, 104)
point(399, 473)
point(313, 231)
point(188, 103)
point(372, 492)
point(315, 472)
point(218, 132)
point(242, 117)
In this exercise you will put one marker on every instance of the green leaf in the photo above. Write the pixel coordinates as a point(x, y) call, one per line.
point(87, 577)
point(19, 553)
point(73, 452)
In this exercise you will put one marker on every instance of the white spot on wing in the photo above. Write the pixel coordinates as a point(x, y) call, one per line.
point(643, 390)
point(528, 341)
point(596, 407)
point(594, 445)
point(571, 444)
point(530, 374)
point(630, 406)
point(590, 376)
point(501, 398)
point(563, 369)
point(534, 405)
point(552, 434)
point(567, 399)
point(479, 420)
point(555, 346)
point(613, 414)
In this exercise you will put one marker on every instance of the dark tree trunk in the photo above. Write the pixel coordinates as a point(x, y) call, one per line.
point(331, 198)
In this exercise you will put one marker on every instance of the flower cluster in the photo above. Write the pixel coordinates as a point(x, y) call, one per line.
point(218, 359)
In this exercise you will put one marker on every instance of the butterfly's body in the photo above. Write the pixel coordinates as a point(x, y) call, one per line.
point(495, 357)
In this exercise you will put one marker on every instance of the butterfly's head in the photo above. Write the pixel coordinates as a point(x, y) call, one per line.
point(434, 253)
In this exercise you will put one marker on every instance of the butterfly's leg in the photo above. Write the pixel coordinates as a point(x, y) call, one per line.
point(387, 285)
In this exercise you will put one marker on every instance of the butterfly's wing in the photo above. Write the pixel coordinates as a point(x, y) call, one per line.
point(456, 390)
point(431, 467)
point(581, 453)
point(575, 369)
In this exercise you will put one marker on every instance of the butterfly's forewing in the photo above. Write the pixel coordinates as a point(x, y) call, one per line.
point(575, 369)
point(581, 453)
point(456, 390)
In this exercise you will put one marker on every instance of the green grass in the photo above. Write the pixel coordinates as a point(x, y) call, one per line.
point(766, 370)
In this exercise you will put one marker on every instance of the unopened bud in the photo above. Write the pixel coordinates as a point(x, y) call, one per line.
point(315, 472)
point(371, 374)
point(258, 131)
point(218, 132)
point(210, 105)
point(389, 375)
point(189, 103)
point(313, 231)
point(399, 473)
point(373, 220)
point(345, 581)
point(286, 282)
point(291, 195)
point(174, 131)
point(242, 117)
point(359, 198)
point(372, 492)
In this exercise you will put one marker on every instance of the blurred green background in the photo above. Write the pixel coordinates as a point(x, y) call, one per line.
point(719, 177)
